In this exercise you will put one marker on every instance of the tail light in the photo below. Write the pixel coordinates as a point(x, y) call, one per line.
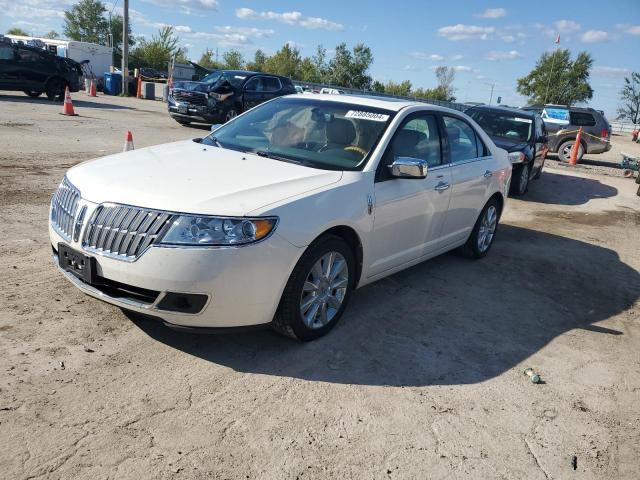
point(604, 134)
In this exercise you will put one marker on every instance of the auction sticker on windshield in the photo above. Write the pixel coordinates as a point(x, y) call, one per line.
point(376, 117)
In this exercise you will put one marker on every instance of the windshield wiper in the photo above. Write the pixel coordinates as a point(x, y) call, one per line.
point(216, 142)
point(265, 154)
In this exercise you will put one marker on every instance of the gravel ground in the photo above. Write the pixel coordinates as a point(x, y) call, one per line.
point(422, 378)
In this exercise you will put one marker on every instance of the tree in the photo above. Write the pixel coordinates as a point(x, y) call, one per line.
point(349, 69)
point(233, 60)
point(320, 64)
point(437, 93)
point(557, 79)
point(157, 52)
point(630, 96)
point(445, 76)
point(377, 86)
point(402, 88)
point(17, 31)
point(285, 61)
point(207, 60)
point(52, 35)
point(85, 22)
point(259, 60)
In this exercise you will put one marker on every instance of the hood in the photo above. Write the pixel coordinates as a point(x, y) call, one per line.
point(193, 178)
point(192, 86)
point(509, 145)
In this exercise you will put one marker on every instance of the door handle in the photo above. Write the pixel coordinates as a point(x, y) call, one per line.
point(488, 174)
point(442, 186)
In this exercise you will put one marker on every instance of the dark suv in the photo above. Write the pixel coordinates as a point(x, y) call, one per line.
point(35, 71)
point(223, 94)
point(563, 122)
point(522, 134)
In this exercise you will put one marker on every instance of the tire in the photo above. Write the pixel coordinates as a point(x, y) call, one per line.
point(33, 94)
point(564, 151)
point(309, 292)
point(520, 184)
point(55, 89)
point(231, 114)
point(473, 249)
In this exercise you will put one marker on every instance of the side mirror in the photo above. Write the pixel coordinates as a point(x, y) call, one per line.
point(408, 167)
point(215, 126)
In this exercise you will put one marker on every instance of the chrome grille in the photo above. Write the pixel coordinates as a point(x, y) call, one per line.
point(192, 98)
point(64, 205)
point(123, 232)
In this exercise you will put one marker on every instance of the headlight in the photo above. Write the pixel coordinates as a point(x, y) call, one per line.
point(516, 157)
point(217, 231)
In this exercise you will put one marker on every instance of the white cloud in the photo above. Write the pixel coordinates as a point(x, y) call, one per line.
point(186, 6)
point(457, 57)
point(296, 45)
point(610, 71)
point(248, 31)
point(510, 55)
point(462, 68)
point(182, 29)
point(594, 36)
point(493, 13)
point(465, 32)
point(425, 56)
point(508, 38)
point(410, 68)
point(633, 30)
point(31, 9)
point(567, 26)
point(290, 18)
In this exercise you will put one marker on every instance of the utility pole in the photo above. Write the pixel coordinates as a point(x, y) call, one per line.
point(125, 49)
point(492, 87)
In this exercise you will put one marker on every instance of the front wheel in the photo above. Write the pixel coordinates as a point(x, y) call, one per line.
point(520, 183)
point(484, 231)
point(55, 89)
point(318, 290)
point(230, 115)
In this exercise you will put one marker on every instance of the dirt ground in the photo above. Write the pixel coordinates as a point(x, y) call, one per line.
point(423, 377)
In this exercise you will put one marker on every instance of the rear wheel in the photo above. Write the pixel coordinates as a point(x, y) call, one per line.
point(32, 93)
point(564, 152)
point(484, 231)
point(55, 89)
point(318, 290)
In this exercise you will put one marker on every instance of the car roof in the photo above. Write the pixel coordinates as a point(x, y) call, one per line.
point(499, 109)
point(387, 103)
point(250, 73)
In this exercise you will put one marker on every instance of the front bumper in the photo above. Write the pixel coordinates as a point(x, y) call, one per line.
point(243, 284)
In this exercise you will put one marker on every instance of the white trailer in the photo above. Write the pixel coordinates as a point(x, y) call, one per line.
point(100, 57)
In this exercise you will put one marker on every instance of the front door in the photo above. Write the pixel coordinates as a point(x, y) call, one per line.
point(253, 93)
point(8, 67)
point(471, 172)
point(409, 213)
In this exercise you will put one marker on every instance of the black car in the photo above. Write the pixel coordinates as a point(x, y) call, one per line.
point(223, 94)
point(34, 71)
point(563, 123)
point(522, 134)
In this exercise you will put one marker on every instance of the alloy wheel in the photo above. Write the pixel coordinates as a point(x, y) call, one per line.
point(324, 290)
point(487, 228)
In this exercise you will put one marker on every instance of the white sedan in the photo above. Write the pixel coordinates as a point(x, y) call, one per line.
point(277, 216)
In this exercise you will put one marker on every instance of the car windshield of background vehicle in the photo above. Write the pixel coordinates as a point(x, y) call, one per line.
point(212, 78)
point(320, 134)
point(497, 124)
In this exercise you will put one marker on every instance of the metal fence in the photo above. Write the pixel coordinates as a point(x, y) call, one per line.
point(354, 91)
point(623, 127)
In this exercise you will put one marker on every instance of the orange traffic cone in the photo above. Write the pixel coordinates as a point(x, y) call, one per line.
point(573, 158)
point(67, 107)
point(92, 89)
point(128, 142)
point(139, 93)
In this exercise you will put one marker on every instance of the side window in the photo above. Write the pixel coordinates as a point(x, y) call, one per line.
point(582, 119)
point(417, 137)
point(28, 55)
point(6, 52)
point(271, 84)
point(253, 85)
point(463, 142)
point(539, 128)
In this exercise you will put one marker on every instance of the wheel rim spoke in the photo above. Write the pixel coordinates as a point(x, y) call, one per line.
point(339, 283)
point(338, 267)
point(311, 315)
point(310, 287)
point(333, 302)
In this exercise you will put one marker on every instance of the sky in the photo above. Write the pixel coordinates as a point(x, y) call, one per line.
point(489, 43)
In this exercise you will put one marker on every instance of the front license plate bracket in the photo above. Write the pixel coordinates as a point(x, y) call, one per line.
point(81, 265)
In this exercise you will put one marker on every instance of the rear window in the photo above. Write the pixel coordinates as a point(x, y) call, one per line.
point(582, 119)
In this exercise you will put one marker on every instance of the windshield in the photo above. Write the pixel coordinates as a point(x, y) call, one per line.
point(212, 78)
point(504, 124)
point(320, 134)
point(234, 78)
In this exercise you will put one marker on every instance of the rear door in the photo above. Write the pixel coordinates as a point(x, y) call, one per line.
point(409, 213)
point(272, 87)
point(253, 92)
point(540, 146)
point(8, 67)
point(471, 172)
point(33, 69)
